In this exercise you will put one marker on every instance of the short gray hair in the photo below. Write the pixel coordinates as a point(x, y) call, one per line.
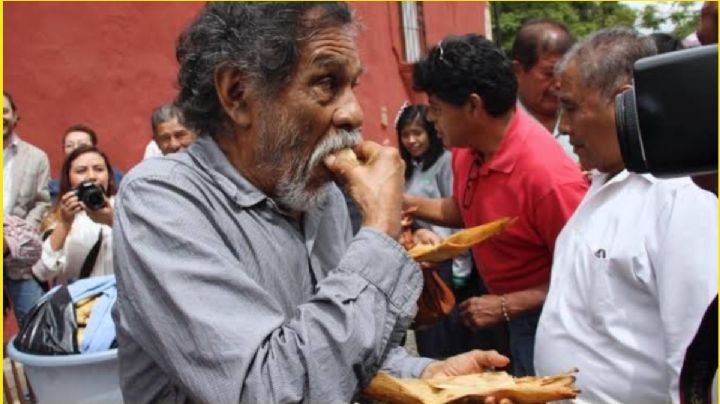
point(605, 58)
point(164, 113)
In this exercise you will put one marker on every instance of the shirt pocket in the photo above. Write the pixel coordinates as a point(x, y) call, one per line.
point(600, 292)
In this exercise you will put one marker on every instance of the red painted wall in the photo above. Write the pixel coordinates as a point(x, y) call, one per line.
point(104, 64)
point(109, 64)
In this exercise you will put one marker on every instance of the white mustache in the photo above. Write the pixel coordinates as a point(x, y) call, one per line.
point(341, 140)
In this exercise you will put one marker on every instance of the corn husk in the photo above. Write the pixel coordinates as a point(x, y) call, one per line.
point(459, 242)
point(472, 388)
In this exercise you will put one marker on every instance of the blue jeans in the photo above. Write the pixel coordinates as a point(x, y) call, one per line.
point(522, 343)
point(23, 295)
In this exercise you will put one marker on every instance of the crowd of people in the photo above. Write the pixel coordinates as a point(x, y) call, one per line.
point(50, 235)
point(242, 232)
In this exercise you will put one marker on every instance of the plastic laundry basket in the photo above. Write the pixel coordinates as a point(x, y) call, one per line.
point(65, 379)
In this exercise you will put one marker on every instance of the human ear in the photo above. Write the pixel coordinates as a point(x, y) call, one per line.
point(475, 104)
point(622, 88)
point(231, 88)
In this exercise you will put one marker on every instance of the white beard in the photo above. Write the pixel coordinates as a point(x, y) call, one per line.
point(292, 188)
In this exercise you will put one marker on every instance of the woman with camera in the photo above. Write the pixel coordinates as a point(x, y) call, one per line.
point(77, 231)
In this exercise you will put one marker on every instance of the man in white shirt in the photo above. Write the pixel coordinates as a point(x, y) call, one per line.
point(636, 266)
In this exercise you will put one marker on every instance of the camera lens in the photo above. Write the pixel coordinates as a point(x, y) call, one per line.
point(91, 195)
point(94, 201)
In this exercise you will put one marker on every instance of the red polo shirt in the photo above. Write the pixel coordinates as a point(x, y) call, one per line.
point(529, 177)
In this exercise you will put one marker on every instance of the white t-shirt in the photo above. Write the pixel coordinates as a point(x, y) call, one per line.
point(152, 150)
point(634, 270)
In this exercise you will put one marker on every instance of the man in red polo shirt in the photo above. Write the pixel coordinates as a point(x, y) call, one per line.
point(504, 164)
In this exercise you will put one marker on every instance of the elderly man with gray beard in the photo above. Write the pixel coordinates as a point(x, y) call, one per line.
point(238, 280)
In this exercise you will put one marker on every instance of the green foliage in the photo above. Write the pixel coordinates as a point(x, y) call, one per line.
point(584, 17)
point(685, 17)
point(649, 18)
point(581, 18)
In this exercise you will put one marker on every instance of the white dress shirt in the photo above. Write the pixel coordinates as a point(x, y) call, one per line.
point(152, 150)
point(634, 270)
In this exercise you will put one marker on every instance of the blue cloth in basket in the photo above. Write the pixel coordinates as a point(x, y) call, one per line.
point(100, 330)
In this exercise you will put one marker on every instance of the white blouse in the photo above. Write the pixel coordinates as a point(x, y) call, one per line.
point(66, 262)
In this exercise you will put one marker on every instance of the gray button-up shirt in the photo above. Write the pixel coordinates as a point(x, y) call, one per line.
point(222, 298)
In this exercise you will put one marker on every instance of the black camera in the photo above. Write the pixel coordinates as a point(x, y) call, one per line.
point(91, 194)
point(667, 124)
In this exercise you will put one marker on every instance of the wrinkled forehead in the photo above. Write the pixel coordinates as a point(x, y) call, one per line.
point(171, 126)
point(547, 59)
point(570, 86)
point(334, 47)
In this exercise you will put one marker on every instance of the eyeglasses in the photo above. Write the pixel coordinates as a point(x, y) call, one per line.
point(472, 181)
point(441, 56)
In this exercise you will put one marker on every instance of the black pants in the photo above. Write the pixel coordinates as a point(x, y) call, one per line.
point(450, 336)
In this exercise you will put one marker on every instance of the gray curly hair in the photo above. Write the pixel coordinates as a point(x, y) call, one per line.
point(260, 39)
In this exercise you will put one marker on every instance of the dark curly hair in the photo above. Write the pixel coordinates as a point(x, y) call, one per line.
point(418, 113)
point(260, 39)
point(462, 65)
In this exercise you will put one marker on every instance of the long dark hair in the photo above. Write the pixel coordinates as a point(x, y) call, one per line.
point(67, 163)
point(418, 113)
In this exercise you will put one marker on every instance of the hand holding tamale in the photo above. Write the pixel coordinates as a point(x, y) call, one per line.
point(457, 243)
point(472, 388)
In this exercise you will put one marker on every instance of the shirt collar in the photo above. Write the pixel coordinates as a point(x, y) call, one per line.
point(208, 154)
point(505, 157)
point(599, 177)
